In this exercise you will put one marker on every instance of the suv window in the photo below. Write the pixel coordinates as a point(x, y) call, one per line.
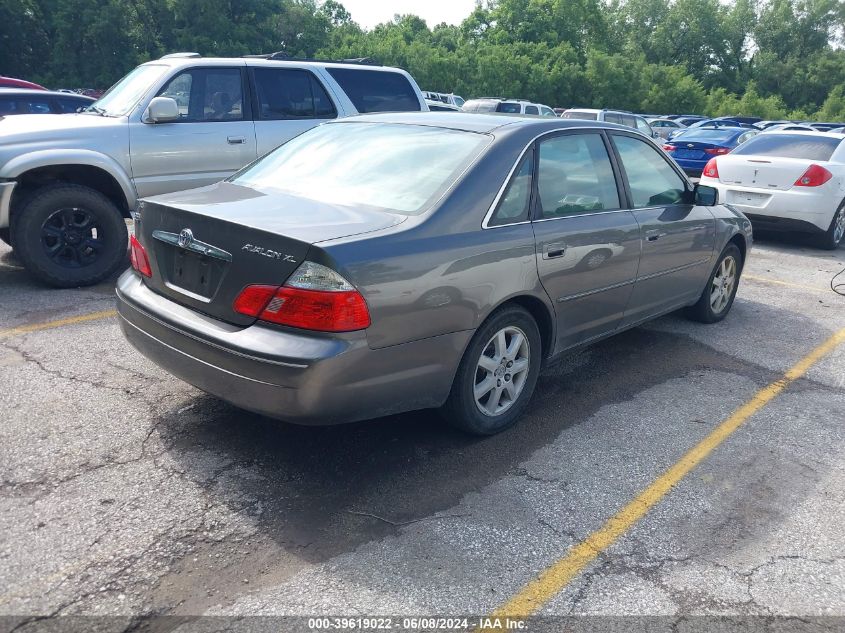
point(8, 105)
point(546, 111)
point(575, 176)
point(643, 127)
point(513, 207)
point(651, 179)
point(38, 106)
point(629, 121)
point(376, 91)
point(612, 117)
point(207, 94)
point(71, 105)
point(530, 109)
point(578, 114)
point(509, 108)
point(291, 94)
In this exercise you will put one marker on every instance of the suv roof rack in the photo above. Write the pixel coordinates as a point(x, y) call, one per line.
point(179, 55)
point(281, 55)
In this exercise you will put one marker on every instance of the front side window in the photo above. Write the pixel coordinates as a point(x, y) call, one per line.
point(291, 94)
point(531, 110)
point(71, 105)
point(514, 205)
point(390, 167)
point(376, 90)
point(207, 94)
point(38, 106)
point(643, 127)
point(575, 176)
point(651, 179)
point(612, 117)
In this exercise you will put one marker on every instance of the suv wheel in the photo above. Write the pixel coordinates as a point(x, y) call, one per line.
point(497, 374)
point(69, 235)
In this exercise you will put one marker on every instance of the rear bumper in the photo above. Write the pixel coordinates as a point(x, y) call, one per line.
point(290, 375)
point(790, 210)
point(691, 167)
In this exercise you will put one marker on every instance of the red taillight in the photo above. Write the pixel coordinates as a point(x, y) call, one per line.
point(717, 151)
point(710, 169)
point(815, 176)
point(669, 148)
point(326, 311)
point(138, 257)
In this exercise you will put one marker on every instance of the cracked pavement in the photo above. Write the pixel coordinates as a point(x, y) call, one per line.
point(127, 492)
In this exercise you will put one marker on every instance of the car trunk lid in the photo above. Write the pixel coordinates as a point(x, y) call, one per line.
point(206, 245)
point(765, 172)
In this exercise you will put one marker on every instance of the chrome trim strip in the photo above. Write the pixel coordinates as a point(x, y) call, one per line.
point(674, 270)
point(581, 215)
point(596, 291)
point(195, 246)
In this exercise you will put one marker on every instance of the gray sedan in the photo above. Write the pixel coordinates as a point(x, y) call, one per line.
point(395, 262)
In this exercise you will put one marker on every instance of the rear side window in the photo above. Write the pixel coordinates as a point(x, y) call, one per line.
point(71, 105)
point(651, 179)
point(291, 94)
point(509, 108)
point(8, 106)
point(575, 176)
point(376, 90)
point(790, 146)
point(531, 110)
point(612, 117)
point(576, 114)
point(629, 121)
point(513, 207)
point(38, 106)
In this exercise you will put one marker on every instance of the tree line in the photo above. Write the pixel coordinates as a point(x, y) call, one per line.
point(770, 58)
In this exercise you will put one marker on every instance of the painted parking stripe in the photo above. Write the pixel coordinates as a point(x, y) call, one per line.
point(778, 282)
point(49, 325)
point(531, 598)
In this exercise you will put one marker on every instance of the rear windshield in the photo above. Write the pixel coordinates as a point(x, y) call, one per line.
point(790, 146)
point(397, 168)
point(705, 134)
point(575, 114)
point(377, 90)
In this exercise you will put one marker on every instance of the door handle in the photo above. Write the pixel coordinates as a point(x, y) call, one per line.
point(553, 250)
point(653, 236)
point(236, 140)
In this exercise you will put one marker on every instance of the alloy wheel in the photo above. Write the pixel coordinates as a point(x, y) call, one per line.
point(722, 286)
point(839, 225)
point(501, 371)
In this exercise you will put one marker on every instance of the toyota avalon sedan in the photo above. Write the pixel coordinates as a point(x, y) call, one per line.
point(395, 262)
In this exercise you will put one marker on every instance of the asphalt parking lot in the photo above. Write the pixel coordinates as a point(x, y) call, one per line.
point(126, 491)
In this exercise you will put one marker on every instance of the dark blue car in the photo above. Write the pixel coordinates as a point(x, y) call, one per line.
point(693, 147)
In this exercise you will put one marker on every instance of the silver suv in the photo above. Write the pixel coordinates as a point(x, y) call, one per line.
point(67, 182)
point(622, 117)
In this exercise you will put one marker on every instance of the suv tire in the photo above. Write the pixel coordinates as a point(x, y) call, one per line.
point(463, 408)
point(69, 235)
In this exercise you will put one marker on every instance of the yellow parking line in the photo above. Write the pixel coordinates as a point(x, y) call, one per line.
point(49, 325)
point(778, 282)
point(556, 577)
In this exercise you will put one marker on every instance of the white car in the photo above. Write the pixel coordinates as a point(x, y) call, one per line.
point(786, 181)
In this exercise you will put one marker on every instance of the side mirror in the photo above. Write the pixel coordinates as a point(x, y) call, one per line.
point(705, 196)
point(162, 110)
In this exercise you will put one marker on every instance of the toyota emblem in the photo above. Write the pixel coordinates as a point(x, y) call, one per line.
point(186, 236)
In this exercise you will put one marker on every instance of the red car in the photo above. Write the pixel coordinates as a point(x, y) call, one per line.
point(8, 82)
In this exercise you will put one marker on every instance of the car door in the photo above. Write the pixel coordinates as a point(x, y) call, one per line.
point(288, 101)
point(677, 237)
point(213, 137)
point(587, 243)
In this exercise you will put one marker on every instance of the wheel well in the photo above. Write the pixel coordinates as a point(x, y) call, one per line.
point(541, 315)
point(85, 175)
point(739, 240)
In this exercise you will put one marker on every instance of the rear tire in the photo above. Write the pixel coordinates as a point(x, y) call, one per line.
point(69, 236)
point(719, 293)
point(497, 374)
point(835, 235)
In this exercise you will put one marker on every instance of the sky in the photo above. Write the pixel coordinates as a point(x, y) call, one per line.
point(368, 13)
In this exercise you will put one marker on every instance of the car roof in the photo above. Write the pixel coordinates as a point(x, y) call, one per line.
point(25, 92)
point(482, 123)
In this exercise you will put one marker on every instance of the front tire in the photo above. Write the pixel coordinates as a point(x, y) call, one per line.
point(719, 293)
point(497, 374)
point(69, 236)
point(835, 234)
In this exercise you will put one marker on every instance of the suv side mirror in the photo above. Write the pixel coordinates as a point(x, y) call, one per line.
point(705, 196)
point(162, 110)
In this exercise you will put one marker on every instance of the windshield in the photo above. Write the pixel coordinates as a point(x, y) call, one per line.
point(125, 94)
point(790, 146)
point(397, 168)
